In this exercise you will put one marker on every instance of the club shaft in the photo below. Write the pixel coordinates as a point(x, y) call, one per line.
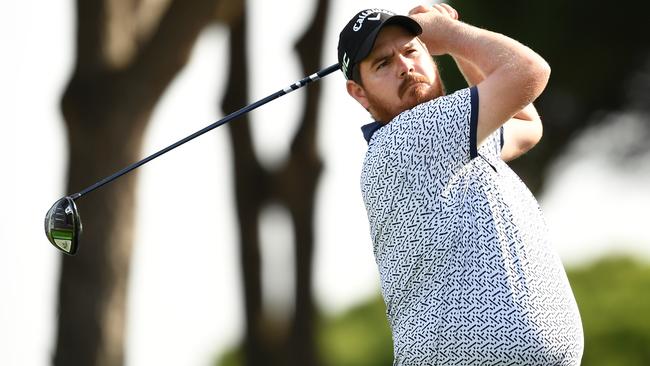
point(295, 86)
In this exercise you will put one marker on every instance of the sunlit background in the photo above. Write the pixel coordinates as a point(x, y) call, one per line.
point(185, 301)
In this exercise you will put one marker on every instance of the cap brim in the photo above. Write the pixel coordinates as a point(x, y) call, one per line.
point(404, 21)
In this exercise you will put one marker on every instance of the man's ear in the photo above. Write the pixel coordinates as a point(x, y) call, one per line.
point(357, 92)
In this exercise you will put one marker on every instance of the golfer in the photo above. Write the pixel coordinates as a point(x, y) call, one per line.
point(467, 272)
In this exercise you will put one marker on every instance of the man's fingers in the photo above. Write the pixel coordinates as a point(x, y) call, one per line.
point(439, 8)
point(446, 10)
point(442, 9)
point(420, 9)
point(451, 11)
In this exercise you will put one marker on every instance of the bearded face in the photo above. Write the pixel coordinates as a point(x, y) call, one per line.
point(415, 89)
point(397, 75)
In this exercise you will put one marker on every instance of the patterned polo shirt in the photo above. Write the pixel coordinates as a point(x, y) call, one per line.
point(467, 272)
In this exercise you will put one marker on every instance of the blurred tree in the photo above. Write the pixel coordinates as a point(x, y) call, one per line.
point(600, 60)
point(127, 53)
point(267, 340)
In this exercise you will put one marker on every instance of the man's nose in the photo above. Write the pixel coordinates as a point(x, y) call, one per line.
point(405, 66)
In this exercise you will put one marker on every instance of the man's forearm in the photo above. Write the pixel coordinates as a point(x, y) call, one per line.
point(527, 114)
point(471, 73)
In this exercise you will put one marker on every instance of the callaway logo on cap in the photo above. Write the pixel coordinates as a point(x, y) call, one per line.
point(358, 37)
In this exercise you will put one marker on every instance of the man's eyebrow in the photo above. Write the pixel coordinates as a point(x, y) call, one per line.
point(411, 44)
point(380, 56)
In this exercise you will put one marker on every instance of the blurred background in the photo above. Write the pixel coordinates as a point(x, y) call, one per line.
point(250, 245)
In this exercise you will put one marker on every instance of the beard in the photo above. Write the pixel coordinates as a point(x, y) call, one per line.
point(413, 90)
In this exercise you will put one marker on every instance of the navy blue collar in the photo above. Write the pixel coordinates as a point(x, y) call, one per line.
point(369, 129)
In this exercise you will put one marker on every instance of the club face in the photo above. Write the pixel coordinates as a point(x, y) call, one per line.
point(63, 225)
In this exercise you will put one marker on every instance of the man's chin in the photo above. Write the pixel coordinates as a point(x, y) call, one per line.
point(419, 94)
point(416, 95)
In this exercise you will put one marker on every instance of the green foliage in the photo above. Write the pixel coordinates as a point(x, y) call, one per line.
point(613, 295)
point(614, 300)
point(232, 357)
point(359, 337)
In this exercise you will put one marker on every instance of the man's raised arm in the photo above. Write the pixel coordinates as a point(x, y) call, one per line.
point(521, 132)
point(514, 74)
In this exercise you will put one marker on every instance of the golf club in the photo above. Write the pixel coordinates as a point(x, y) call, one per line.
point(63, 223)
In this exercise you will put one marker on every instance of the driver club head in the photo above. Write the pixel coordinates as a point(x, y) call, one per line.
point(63, 225)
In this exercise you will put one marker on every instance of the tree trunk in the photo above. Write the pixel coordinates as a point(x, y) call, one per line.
point(294, 186)
point(302, 177)
point(250, 196)
point(92, 288)
point(121, 71)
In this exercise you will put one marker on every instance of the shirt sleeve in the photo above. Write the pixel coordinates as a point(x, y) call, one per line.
point(492, 146)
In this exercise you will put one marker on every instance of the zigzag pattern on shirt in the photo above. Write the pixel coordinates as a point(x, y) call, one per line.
point(466, 270)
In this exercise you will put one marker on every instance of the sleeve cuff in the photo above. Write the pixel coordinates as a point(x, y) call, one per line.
point(502, 139)
point(473, 122)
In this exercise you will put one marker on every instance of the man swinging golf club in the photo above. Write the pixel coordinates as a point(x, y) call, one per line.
point(467, 272)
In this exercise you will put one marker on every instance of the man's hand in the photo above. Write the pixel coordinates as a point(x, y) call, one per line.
point(440, 11)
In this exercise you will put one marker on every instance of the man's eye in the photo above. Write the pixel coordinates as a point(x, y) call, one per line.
point(410, 51)
point(382, 64)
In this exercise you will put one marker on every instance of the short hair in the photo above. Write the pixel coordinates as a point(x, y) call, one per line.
point(356, 75)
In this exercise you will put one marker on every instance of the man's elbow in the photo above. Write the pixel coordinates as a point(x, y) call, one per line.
point(531, 138)
point(543, 69)
point(521, 137)
point(539, 72)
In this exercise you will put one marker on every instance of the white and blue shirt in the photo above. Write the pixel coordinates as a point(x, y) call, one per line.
point(467, 271)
